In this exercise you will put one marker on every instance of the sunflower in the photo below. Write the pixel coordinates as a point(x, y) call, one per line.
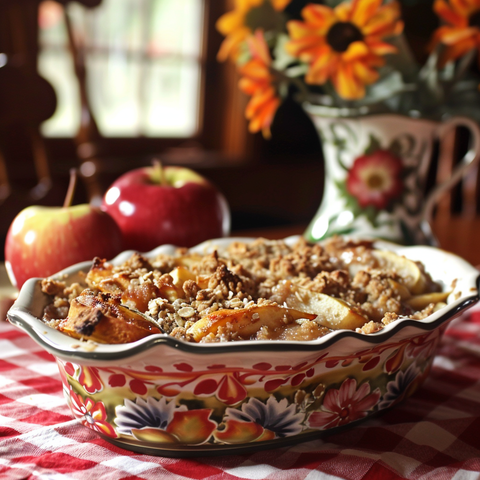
point(258, 81)
point(462, 32)
point(243, 20)
point(345, 44)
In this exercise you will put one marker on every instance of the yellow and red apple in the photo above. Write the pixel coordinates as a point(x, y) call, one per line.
point(166, 205)
point(44, 240)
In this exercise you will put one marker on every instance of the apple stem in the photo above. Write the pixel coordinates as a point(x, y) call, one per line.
point(159, 173)
point(71, 188)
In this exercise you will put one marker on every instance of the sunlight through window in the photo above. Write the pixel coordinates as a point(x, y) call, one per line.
point(143, 62)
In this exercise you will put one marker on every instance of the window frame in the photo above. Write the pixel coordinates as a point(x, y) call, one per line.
point(222, 127)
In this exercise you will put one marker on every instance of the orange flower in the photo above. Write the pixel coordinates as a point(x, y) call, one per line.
point(236, 25)
point(258, 82)
point(345, 44)
point(462, 32)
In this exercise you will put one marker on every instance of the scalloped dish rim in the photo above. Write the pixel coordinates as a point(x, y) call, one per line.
point(59, 344)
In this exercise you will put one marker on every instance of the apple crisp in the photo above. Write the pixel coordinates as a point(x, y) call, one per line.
point(264, 290)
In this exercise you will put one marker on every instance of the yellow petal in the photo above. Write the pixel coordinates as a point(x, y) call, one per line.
point(343, 12)
point(364, 73)
point(346, 84)
point(464, 8)
point(319, 16)
point(363, 10)
point(258, 101)
point(280, 5)
point(355, 51)
point(378, 47)
point(456, 51)
point(229, 22)
point(258, 47)
point(321, 68)
point(230, 46)
point(247, 85)
point(256, 71)
point(262, 113)
point(385, 22)
point(456, 35)
point(306, 47)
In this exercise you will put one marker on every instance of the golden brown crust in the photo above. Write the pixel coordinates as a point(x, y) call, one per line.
point(179, 290)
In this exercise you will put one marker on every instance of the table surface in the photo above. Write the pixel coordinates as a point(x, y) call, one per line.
point(434, 434)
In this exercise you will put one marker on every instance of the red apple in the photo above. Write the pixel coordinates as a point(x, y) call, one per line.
point(171, 205)
point(44, 240)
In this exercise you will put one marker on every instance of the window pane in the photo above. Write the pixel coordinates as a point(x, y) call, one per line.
point(143, 65)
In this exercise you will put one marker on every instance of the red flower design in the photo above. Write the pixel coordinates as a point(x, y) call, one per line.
point(375, 179)
point(344, 405)
point(89, 378)
point(91, 414)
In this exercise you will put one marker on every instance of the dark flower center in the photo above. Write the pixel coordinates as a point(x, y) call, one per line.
point(375, 181)
point(264, 17)
point(474, 20)
point(342, 34)
point(344, 413)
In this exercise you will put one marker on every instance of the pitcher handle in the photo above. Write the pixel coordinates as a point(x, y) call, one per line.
point(469, 161)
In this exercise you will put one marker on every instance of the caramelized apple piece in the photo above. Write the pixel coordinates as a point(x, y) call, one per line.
point(169, 290)
point(189, 260)
point(401, 290)
point(246, 322)
point(103, 319)
point(412, 277)
point(138, 295)
point(180, 275)
point(101, 277)
point(419, 302)
point(331, 312)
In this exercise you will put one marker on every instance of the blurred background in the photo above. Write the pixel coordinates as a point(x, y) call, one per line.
point(106, 86)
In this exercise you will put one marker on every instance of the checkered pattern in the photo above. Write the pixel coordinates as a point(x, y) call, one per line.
point(435, 434)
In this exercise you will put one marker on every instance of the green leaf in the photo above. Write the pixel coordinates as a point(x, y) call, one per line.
point(373, 146)
point(371, 214)
point(282, 59)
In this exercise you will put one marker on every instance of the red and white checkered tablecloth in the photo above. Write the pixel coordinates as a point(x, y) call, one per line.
point(435, 434)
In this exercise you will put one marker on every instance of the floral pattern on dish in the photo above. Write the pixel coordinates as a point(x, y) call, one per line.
point(404, 384)
point(345, 405)
point(215, 404)
point(259, 421)
point(159, 421)
point(92, 414)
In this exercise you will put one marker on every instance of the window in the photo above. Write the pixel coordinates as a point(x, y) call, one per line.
point(143, 60)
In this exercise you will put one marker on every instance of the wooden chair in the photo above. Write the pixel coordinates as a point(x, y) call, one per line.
point(27, 100)
point(463, 200)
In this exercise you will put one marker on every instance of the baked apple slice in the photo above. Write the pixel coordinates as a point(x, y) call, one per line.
point(103, 319)
point(331, 312)
point(244, 323)
point(101, 277)
point(412, 277)
point(419, 302)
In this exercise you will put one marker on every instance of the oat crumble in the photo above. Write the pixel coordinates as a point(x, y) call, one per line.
point(264, 290)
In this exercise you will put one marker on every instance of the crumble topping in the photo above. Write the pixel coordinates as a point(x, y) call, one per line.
point(264, 290)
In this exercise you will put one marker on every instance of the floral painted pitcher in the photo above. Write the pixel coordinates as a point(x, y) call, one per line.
point(375, 174)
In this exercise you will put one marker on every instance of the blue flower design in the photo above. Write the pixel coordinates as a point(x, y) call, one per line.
point(276, 416)
point(145, 413)
point(398, 387)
